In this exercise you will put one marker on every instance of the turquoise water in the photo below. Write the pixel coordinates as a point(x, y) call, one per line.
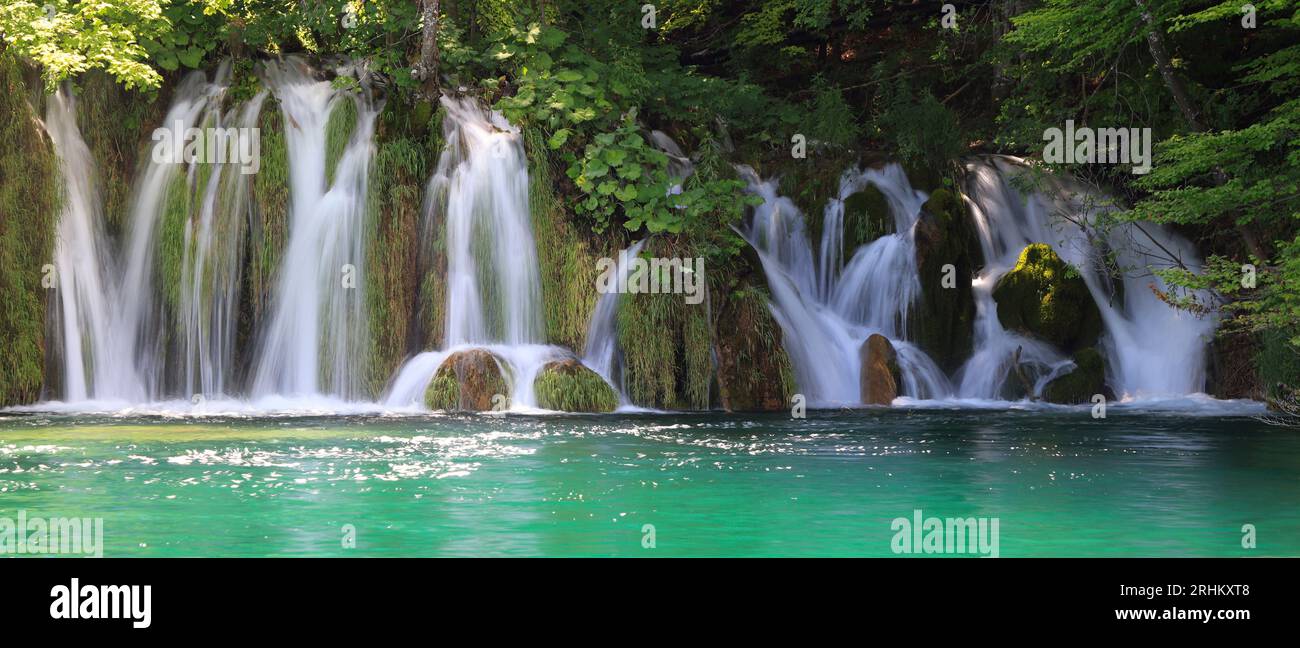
point(1060, 483)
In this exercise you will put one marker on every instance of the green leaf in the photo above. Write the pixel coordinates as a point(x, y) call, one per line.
point(559, 138)
point(596, 168)
point(615, 157)
point(626, 193)
point(630, 171)
point(167, 61)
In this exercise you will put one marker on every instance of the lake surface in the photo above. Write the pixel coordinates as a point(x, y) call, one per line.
point(1060, 483)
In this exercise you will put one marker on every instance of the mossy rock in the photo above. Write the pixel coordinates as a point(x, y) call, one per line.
point(1044, 297)
point(1079, 386)
point(754, 371)
point(943, 323)
point(880, 376)
point(924, 177)
point(467, 381)
point(866, 218)
point(568, 386)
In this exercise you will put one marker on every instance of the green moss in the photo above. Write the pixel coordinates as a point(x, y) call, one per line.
point(943, 323)
point(470, 380)
point(568, 386)
point(338, 130)
point(567, 257)
point(112, 121)
point(754, 371)
point(403, 275)
point(811, 183)
point(666, 344)
point(269, 220)
point(866, 218)
point(1079, 386)
point(443, 392)
point(176, 209)
point(1043, 296)
point(30, 199)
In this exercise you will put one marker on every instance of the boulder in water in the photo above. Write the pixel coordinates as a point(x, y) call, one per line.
point(467, 381)
point(880, 376)
point(569, 386)
point(1046, 298)
point(1079, 386)
point(943, 324)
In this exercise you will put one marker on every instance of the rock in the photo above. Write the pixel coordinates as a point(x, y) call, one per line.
point(754, 373)
point(1044, 297)
point(1018, 384)
point(467, 381)
point(866, 218)
point(569, 386)
point(943, 322)
point(880, 375)
point(1079, 386)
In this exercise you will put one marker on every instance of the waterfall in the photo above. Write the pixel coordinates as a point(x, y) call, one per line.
point(825, 312)
point(479, 194)
point(211, 269)
point(602, 352)
point(481, 191)
point(1152, 350)
point(110, 325)
point(315, 341)
point(95, 362)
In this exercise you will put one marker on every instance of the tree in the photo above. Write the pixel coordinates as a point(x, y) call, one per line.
point(68, 38)
point(429, 47)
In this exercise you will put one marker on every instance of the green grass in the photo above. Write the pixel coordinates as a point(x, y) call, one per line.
point(30, 199)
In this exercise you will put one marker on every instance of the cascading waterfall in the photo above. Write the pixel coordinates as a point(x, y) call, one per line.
point(602, 353)
point(95, 364)
point(493, 287)
point(117, 332)
point(121, 339)
point(211, 268)
point(1152, 350)
point(825, 313)
point(479, 194)
point(315, 340)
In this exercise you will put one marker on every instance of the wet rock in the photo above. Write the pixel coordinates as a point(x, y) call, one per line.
point(467, 381)
point(943, 323)
point(1046, 298)
point(880, 378)
point(569, 386)
point(866, 218)
point(1079, 386)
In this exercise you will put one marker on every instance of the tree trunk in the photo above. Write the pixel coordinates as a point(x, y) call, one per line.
point(1156, 43)
point(429, 48)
